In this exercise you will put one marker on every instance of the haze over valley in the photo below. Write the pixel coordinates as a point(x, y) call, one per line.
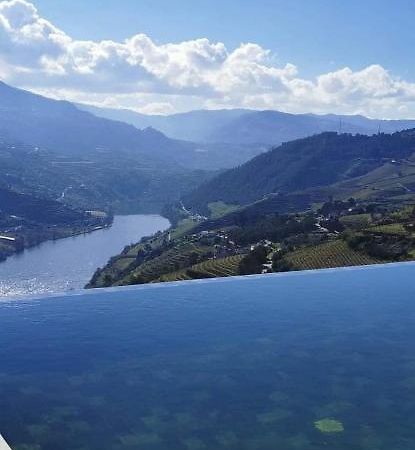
point(67, 169)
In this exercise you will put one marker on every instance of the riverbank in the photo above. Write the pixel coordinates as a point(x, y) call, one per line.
point(66, 264)
point(30, 237)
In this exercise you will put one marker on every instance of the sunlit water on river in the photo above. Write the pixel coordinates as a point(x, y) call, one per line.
point(67, 264)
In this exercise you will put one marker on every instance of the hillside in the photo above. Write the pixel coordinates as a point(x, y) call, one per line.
point(256, 239)
point(101, 181)
point(306, 164)
point(27, 220)
point(37, 209)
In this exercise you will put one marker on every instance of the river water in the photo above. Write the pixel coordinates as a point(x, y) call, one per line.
point(66, 264)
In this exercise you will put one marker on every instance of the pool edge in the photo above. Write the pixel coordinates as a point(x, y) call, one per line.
point(146, 286)
point(3, 444)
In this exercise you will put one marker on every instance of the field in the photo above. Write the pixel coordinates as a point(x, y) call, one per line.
point(330, 254)
point(183, 227)
point(393, 228)
point(390, 181)
point(356, 221)
point(219, 209)
point(212, 268)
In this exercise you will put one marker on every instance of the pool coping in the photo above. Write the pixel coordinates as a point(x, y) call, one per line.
point(169, 284)
point(3, 444)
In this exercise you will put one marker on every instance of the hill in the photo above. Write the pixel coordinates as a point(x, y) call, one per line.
point(306, 165)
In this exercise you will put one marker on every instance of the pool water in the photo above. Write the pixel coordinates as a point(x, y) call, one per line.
point(321, 360)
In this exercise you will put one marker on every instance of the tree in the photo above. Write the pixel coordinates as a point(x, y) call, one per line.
point(253, 262)
point(107, 280)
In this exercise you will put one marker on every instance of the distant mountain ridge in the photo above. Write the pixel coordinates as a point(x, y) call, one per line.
point(52, 149)
point(196, 126)
point(65, 129)
point(249, 127)
point(274, 127)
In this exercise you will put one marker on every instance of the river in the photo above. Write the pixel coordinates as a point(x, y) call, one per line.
point(67, 264)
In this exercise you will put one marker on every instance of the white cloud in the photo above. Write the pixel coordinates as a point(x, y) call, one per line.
point(140, 74)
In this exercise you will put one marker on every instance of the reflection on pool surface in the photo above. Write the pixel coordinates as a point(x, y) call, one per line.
point(302, 361)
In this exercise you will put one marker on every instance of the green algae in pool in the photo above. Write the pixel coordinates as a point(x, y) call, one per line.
point(316, 361)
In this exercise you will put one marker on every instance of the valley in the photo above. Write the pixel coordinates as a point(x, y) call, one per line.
point(245, 191)
point(207, 225)
point(65, 172)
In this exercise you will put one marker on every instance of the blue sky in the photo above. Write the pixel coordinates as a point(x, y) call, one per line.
point(317, 35)
point(163, 56)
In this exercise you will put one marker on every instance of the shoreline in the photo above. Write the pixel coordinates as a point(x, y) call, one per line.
point(69, 263)
point(52, 239)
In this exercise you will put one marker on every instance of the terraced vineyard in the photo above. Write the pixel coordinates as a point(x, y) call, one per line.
point(330, 254)
point(172, 260)
point(223, 267)
point(212, 268)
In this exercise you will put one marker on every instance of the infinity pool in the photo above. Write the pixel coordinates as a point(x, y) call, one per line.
point(306, 361)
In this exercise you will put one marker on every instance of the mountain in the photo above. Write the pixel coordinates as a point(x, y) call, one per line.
point(275, 127)
point(370, 126)
point(250, 128)
point(63, 128)
point(310, 163)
